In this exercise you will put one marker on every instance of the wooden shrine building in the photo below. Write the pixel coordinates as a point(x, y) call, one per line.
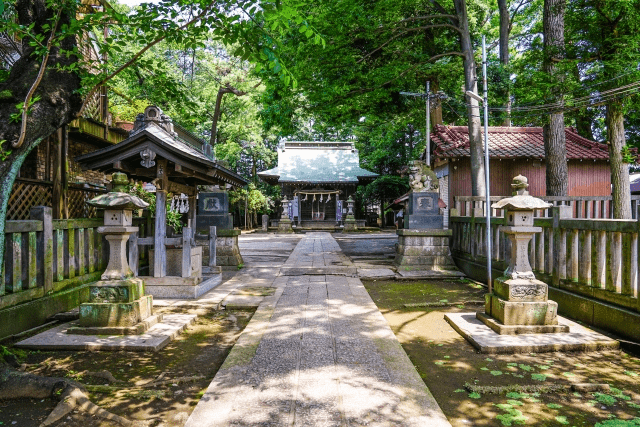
point(318, 177)
point(155, 153)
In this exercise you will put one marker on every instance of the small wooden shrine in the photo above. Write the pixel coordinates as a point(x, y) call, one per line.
point(317, 178)
point(154, 153)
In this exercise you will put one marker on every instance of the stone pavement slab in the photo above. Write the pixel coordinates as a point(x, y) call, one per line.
point(156, 338)
point(317, 353)
point(487, 341)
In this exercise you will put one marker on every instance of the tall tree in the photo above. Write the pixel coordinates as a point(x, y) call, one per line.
point(555, 148)
point(604, 38)
point(42, 90)
point(505, 29)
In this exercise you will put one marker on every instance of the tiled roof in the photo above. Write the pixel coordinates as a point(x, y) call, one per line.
point(513, 142)
point(317, 162)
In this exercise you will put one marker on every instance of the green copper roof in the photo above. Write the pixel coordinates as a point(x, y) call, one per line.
point(317, 162)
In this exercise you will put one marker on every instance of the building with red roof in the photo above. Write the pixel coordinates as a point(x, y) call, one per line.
point(513, 151)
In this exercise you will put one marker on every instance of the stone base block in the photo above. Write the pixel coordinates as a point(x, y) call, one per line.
point(174, 262)
point(181, 287)
point(520, 329)
point(350, 225)
point(521, 313)
point(445, 262)
point(116, 314)
point(423, 222)
point(138, 329)
point(520, 290)
point(115, 291)
point(487, 341)
point(284, 226)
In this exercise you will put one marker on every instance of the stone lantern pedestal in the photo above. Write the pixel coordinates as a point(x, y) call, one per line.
point(350, 224)
point(117, 303)
point(284, 225)
point(519, 302)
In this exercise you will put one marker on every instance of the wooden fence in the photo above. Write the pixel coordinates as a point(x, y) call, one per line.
point(44, 255)
point(596, 207)
point(594, 258)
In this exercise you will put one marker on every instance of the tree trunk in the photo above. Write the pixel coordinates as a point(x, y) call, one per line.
point(619, 169)
point(505, 27)
point(58, 91)
point(553, 132)
point(436, 110)
point(216, 112)
point(473, 110)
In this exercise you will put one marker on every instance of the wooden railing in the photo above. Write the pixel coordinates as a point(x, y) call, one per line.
point(594, 258)
point(596, 207)
point(44, 255)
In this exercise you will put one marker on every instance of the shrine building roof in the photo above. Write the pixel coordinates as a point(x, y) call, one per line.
point(317, 162)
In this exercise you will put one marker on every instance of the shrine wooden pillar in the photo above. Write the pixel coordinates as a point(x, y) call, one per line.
point(160, 250)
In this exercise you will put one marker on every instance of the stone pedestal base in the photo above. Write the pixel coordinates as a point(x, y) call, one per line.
point(228, 255)
point(174, 262)
point(115, 307)
point(284, 226)
point(520, 329)
point(424, 249)
point(513, 313)
point(520, 306)
point(350, 225)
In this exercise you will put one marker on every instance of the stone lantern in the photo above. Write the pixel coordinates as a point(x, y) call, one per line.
point(284, 226)
point(117, 303)
point(350, 222)
point(519, 302)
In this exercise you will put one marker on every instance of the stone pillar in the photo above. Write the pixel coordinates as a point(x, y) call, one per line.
point(519, 302)
point(350, 224)
point(265, 222)
point(284, 226)
point(117, 303)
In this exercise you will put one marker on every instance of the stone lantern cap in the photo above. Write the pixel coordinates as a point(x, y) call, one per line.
point(521, 200)
point(118, 198)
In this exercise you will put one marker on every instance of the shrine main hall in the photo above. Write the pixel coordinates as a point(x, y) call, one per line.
point(318, 178)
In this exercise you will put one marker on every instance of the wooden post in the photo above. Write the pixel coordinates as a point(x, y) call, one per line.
point(91, 238)
point(133, 253)
point(213, 236)
point(160, 250)
point(80, 253)
point(192, 216)
point(601, 260)
point(44, 243)
point(634, 257)
point(616, 263)
point(186, 252)
point(585, 259)
point(575, 260)
point(16, 259)
point(71, 246)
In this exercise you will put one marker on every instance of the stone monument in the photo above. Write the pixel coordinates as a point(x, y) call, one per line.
point(519, 302)
point(213, 210)
point(350, 224)
point(284, 225)
point(117, 303)
point(423, 244)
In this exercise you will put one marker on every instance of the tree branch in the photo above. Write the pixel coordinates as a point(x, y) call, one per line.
point(433, 58)
point(426, 27)
point(142, 51)
point(36, 83)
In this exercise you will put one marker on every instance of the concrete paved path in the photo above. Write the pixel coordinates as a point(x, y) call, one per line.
point(317, 353)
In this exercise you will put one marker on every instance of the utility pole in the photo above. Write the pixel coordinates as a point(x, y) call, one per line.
point(427, 96)
point(485, 103)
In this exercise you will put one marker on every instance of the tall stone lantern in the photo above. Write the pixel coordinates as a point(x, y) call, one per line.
point(117, 303)
point(350, 221)
point(284, 225)
point(519, 302)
